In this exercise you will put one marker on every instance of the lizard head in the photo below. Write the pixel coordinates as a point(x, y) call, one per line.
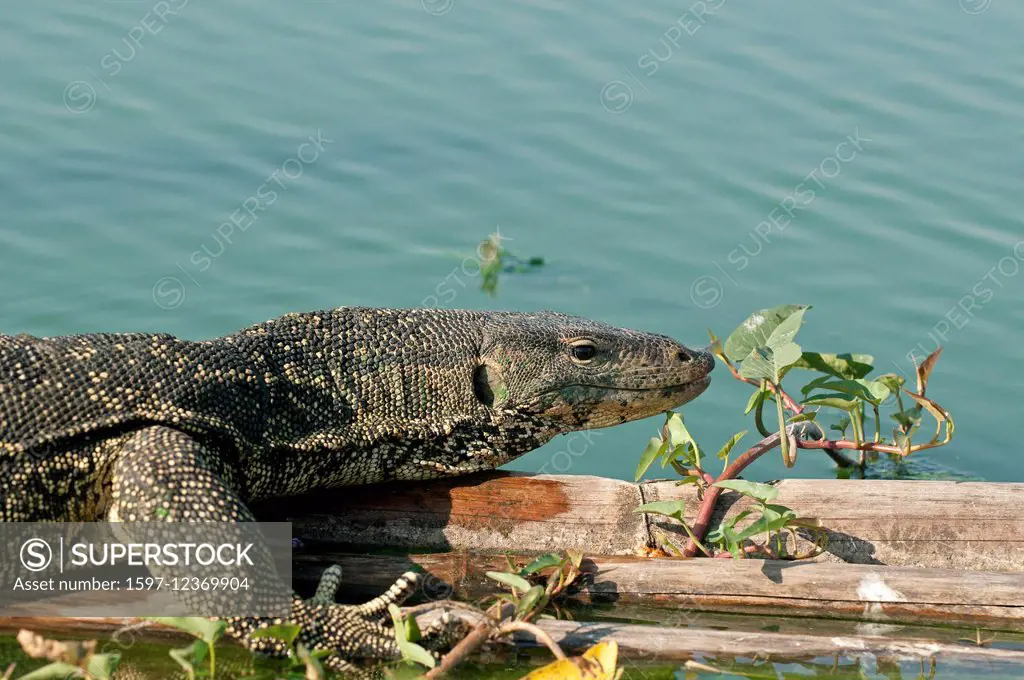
point(571, 373)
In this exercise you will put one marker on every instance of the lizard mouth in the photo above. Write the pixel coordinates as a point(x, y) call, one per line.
point(701, 383)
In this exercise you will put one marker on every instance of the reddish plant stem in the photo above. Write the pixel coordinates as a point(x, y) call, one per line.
point(787, 400)
point(853, 446)
point(711, 494)
point(705, 476)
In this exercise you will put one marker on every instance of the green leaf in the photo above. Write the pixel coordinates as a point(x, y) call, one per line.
point(682, 442)
point(815, 384)
point(786, 354)
point(102, 666)
point(531, 600)
point(892, 381)
point(773, 518)
point(542, 562)
point(907, 419)
point(677, 432)
point(871, 391)
point(757, 329)
point(655, 447)
point(512, 580)
point(758, 396)
point(680, 468)
point(410, 650)
point(190, 657)
point(723, 453)
point(841, 426)
point(803, 417)
point(286, 632)
point(53, 671)
point(769, 363)
point(851, 366)
point(674, 509)
point(762, 492)
point(785, 332)
point(688, 479)
point(207, 630)
point(840, 401)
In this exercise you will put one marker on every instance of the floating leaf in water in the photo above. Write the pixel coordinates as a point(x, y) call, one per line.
point(597, 663)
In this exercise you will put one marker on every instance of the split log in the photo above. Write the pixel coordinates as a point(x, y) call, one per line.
point(660, 643)
point(870, 593)
point(936, 524)
point(637, 643)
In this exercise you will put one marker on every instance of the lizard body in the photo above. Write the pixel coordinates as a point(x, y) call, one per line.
point(133, 427)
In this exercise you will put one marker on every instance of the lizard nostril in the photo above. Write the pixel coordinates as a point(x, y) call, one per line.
point(684, 356)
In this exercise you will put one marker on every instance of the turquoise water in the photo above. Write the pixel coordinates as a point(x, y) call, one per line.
point(651, 156)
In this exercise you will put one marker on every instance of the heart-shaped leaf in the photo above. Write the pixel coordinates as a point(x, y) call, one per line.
point(762, 492)
point(758, 328)
point(674, 509)
point(849, 366)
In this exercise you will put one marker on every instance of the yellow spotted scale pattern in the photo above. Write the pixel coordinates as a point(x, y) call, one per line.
point(139, 426)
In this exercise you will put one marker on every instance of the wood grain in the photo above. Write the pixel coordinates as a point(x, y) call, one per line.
point(871, 593)
point(935, 524)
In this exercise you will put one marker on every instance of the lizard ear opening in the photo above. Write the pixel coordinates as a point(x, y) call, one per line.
point(489, 385)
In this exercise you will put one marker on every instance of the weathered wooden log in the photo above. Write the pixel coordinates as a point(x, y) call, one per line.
point(871, 593)
point(938, 524)
point(637, 643)
point(665, 643)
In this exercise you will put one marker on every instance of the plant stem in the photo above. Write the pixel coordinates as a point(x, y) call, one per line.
point(759, 415)
point(536, 632)
point(465, 647)
point(783, 435)
point(878, 424)
point(711, 494)
point(790, 403)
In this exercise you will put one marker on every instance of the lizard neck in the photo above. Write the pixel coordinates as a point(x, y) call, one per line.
point(367, 395)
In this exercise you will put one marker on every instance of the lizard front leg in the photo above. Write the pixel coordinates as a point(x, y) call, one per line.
point(163, 474)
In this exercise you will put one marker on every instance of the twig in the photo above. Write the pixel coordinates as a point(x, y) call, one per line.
point(536, 632)
point(466, 646)
point(859, 446)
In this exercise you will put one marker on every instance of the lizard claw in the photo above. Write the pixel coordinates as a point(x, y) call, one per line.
point(364, 633)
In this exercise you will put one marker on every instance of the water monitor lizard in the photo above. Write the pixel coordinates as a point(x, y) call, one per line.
point(135, 426)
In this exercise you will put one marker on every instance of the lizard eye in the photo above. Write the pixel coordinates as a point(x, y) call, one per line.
point(584, 351)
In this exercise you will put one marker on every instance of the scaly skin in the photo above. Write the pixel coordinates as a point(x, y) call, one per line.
point(132, 427)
